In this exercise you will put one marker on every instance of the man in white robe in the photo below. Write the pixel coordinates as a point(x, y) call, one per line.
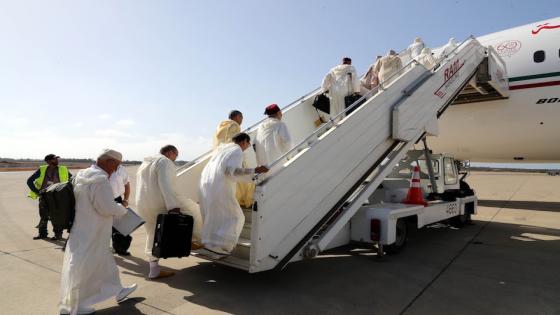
point(155, 194)
point(222, 216)
point(225, 131)
point(371, 79)
point(416, 48)
point(426, 58)
point(89, 271)
point(448, 48)
point(273, 138)
point(388, 67)
point(340, 82)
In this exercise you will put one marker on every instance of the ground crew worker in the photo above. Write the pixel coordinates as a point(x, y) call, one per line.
point(46, 175)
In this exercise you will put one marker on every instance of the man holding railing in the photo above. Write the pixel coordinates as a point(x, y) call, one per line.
point(273, 138)
point(222, 216)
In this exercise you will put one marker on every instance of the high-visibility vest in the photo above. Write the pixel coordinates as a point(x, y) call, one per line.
point(62, 175)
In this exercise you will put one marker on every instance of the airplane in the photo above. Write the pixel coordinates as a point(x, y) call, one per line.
point(524, 127)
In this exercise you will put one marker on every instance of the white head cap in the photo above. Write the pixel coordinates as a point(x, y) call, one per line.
point(452, 41)
point(109, 154)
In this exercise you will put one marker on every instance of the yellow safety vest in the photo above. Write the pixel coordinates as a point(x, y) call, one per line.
point(62, 175)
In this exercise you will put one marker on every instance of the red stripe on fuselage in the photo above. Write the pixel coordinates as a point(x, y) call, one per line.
point(533, 85)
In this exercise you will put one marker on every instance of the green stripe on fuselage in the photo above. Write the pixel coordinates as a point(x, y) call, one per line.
point(535, 76)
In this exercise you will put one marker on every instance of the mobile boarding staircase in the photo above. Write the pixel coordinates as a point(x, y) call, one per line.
point(313, 191)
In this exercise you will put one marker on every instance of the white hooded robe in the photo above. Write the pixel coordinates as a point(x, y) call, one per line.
point(222, 216)
point(341, 81)
point(387, 67)
point(156, 193)
point(448, 48)
point(272, 140)
point(426, 58)
point(415, 48)
point(89, 271)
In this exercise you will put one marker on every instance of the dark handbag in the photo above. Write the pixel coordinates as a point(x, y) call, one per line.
point(322, 103)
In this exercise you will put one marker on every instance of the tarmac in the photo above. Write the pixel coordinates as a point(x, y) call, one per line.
point(507, 262)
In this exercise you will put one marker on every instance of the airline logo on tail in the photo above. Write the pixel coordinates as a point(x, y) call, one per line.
point(545, 26)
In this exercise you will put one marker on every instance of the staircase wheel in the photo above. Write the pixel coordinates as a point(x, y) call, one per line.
point(400, 240)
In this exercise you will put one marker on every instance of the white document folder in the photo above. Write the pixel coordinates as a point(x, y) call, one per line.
point(128, 223)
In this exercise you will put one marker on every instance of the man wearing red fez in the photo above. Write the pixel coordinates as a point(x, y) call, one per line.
point(273, 138)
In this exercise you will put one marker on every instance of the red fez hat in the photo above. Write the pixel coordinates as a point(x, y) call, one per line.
point(271, 109)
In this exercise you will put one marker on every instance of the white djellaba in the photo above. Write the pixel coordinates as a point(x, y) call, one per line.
point(89, 272)
point(387, 67)
point(448, 48)
point(222, 216)
point(426, 58)
point(272, 140)
point(416, 47)
point(157, 192)
point(341, 81)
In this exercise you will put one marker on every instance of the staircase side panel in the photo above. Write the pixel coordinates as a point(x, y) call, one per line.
point(292, 201)
point(411, 116)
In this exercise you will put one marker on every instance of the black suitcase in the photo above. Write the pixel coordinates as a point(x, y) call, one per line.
point(173, 236)
point(351, 99)
point(60, 204)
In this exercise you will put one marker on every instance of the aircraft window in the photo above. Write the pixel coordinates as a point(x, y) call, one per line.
point(538, 56)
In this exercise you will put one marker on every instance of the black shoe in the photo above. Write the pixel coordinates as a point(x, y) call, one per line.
point(40, 237)
point(123, 253)
point(57, 237)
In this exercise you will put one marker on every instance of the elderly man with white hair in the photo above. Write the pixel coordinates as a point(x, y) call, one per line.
point(156, 194)
point(89, 272)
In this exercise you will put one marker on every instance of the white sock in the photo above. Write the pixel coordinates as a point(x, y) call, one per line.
point(154, 269)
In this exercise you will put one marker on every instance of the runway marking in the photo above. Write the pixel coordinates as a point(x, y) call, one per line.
point(31, 262)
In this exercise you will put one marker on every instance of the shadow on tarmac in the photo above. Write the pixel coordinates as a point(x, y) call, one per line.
point(127, 307)
point(351, 279)
point(521, 205)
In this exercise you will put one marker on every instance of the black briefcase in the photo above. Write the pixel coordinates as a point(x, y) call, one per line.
point(351, 99)
point(173, 236)
point(322, 103)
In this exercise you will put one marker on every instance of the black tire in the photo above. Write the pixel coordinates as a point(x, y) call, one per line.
point(465, 190)
point(401, 238)
point(460, 220)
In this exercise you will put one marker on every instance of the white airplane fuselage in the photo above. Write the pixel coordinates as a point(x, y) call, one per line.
point(524, 127)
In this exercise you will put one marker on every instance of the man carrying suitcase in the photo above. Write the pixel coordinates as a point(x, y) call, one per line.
point(155, 194)
point(46, 175)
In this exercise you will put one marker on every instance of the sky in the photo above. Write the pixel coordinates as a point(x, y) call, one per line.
point(134, 75)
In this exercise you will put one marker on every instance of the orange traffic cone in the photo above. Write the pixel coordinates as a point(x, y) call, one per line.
point(415, 194)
